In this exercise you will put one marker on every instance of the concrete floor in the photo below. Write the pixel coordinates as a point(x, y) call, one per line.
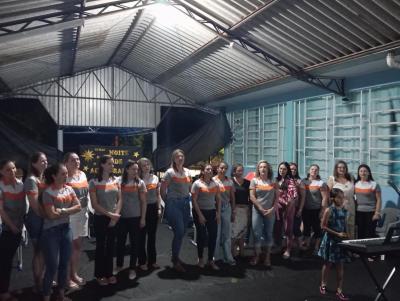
point(291, 280)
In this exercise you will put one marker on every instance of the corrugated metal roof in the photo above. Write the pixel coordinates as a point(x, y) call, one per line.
point(174, 51)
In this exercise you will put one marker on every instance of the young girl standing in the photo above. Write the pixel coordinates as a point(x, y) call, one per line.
point(334, 225)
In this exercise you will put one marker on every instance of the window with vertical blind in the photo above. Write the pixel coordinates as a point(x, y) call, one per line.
point(362, 130)
point(257, 134)
point(365, 129)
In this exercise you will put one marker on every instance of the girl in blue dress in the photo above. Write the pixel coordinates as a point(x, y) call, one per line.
point(334, 225)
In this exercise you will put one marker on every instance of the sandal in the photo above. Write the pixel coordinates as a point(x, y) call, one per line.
point(322, 289)
point(341, 296)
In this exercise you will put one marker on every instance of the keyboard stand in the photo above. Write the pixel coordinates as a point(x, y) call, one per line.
point(379, 288)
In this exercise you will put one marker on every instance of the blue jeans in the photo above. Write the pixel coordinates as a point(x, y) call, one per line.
point(57, 247)
point(263, 227)
point(224, 236)
point(177, 212)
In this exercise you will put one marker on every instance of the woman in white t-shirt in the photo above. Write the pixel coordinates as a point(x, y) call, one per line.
point(368, 199)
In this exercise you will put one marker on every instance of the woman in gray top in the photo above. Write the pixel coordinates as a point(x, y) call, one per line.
point(12, 213)
point(59, 202)
point(175, 191)
point(105, 195)
point(133, 215)
point(264, 196)
point(206, 214)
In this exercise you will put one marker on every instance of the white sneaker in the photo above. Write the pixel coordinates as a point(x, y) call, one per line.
point(132, 274)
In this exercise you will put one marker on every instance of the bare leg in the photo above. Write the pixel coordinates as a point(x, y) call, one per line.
point(339, 276)
point(324, 273)
point(37, 267)
point(75, 257)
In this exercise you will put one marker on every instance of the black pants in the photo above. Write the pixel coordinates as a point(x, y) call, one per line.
point(365, 225)
point(149, 232)
point(312, 221)
point(131, 226)
point(9, 243)
point(105, 243)
point(210, 228)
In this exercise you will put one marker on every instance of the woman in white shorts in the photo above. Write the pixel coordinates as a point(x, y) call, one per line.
point(78, 221)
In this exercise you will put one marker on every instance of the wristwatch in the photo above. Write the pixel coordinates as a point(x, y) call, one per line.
point(63, 211)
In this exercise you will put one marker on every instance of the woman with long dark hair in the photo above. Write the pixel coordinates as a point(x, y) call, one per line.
point(175, 191)
point(59, 202)
point(206, 214)
point(133, 216)
point(264, 196)
point(299, 203)
point(152, 215)
point(241, 222)
point(369, 202)
point(78, 221)
point(12, 213)
point(286, 207)
point(105, 195)
point(223, 249)
point(34, 186)
point(344, 181)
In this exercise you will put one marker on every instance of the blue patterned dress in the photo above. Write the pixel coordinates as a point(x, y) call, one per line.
point(329, 250)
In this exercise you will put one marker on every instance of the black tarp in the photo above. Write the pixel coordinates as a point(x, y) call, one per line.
point(25, 128)
point(214, 134)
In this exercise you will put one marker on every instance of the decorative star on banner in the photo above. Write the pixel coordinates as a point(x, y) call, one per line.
point(136, 154)
point(88, 155)
point(85, 168)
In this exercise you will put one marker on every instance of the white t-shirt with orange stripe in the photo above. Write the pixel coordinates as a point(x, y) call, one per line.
point(265, 192)
point(225, 188)
point(12, 196)
point(152, 184)
point(81, 187)
point(59, 198)
point(313, 189)
point(365, 193)
point(106, 192)
point(206, 193)
point(178, 183)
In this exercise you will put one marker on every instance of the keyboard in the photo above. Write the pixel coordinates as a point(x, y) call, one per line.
point(371, 246)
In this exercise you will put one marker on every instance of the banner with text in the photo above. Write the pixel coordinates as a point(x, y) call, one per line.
point(90, 155)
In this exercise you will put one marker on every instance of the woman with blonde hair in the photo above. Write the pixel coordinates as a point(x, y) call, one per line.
point(175, 190)
point(264, 195)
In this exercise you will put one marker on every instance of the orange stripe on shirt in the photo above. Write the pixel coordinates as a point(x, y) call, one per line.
point(181, 180)
point(64, 198)
point(313, 188)
point(208, 190)
point(78, 185)
point(129, 188)
point(14, 196)
point(266, 187)
point(364, 190)
point(151, 186)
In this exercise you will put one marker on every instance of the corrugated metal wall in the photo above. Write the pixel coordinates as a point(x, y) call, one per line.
point(108, 97)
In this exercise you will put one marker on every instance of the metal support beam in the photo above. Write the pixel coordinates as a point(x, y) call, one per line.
point(20, 25)
point(117, 52)
point(332, 85)
point(76, 41)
